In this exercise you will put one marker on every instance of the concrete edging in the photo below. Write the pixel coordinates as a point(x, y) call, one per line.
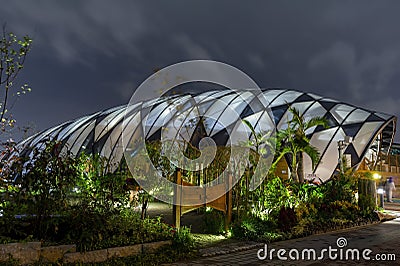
point(32, 252)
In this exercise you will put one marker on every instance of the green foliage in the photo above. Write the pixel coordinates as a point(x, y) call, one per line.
point(286, 219)
point(13, 52)
point(57, 198)
point(91, 230)
point(341, 187)
point(162, 256)
point(293, 141)
point(366, 193)
point(273, 194)
point(214, 222)
point(183, 240)
point(289, 209)
point(98, 189)
point(39, 191)
point(253, 228)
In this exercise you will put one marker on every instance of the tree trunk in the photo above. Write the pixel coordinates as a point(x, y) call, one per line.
point(294, 169)
point(300, 168)
point(144, 208)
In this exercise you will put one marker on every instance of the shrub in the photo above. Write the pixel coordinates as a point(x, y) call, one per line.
point(286, 219)
point(182, 239)
point(61, 199)
point(214, 222)
point(253, 228)
point(93, 230)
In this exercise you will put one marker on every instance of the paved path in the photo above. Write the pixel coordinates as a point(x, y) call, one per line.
point(383, 238)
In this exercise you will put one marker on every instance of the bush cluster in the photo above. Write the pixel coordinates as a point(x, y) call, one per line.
point(56, 198)
point(300, 209)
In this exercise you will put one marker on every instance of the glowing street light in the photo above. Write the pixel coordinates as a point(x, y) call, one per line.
point(376, 176)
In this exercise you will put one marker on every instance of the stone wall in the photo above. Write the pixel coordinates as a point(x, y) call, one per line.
point(32, 252)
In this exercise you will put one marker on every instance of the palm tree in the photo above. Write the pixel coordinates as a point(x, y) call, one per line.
point(294, 142)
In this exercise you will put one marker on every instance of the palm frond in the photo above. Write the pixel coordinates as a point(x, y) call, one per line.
point(313, 153)
point(316, 121)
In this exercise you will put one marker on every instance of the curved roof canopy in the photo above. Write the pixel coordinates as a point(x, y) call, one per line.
point(101, 132)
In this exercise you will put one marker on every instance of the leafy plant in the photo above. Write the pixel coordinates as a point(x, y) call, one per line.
point(39, 190)
point(183, 239)
point(13, 52)
point(56, 198)
point(253, 228)
point(293, 141)
point(286, 219)
point(214, 222)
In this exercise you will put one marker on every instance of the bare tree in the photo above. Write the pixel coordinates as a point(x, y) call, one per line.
point(13, 52)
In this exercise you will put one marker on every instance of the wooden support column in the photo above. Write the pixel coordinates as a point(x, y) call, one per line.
point(228, 212)
point(177, 208)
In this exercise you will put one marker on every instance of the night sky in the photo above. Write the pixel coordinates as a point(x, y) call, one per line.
point(91, 55)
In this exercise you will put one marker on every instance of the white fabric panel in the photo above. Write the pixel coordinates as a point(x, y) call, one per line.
point(78, 143)
point(214, 112)
point(204, 106)
point(253, 120)
point(74, 126)
point(150, 103)
point(357, 116)
point(220, 94)
point(131, 126)
point(341, 111)
point(302, 106)
point(148, 127)
point(321, 139)
point(316, 110)
point(367, 131)
point(263, 100)
point(245, 96)
point(44, 135)
point(24, 142)
point(330, 158)
point(384, 116)
point(270, 95)
point(231, 114)
point(55, 132)
point(203, 96)
point(112, 110)
point(183, 126)
point(203, 103)
point(213, 104)
point(156, 112)
point(265, 123)
point(307, 165)
point(116, 158)
point(112, 141)
point(316, 97)
point(167, 114)
point(108, 123)
point(285, 98)
point(329, 100)
point(73, 137)
point(132, 109)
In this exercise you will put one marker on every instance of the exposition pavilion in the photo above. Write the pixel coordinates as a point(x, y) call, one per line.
point(366, 135)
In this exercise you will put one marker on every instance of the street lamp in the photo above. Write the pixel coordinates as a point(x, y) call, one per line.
point(342, 144)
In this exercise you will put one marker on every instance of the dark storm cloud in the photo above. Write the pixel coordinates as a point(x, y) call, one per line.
point(90, 55)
